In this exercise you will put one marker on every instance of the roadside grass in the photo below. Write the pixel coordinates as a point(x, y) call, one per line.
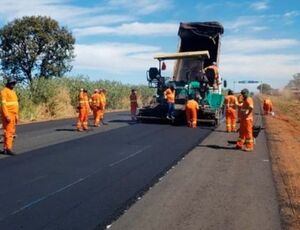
point(57, 98)
point(283, 132)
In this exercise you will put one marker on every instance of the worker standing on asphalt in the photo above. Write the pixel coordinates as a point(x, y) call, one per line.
point(240, 100)
point(102, 93)
point(246, 123)
point(83, 109)
point(169, 94)
point(191, 110)
point(9, 115)
point(267, 106)
point(133, 104)
point(96, 105)
point(231, 103)
point(217, 81)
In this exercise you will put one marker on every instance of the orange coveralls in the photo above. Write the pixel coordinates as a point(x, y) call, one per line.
point(230, 103)
point(103, 101)
point(84, 109)
point(97, 106)
point(9, 114)
point(133, 105)
point(191, 109)
point(267, 106)
point(240, 100)
point(246, 126)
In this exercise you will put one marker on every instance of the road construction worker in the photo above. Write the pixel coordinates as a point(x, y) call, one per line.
point(191, 110)
point(231, 104)
point(97, 106)
point(133, 104)
point(9, 115)
point(102, 93)
point(83, 109)
point(217, 81)
point(240, 100)
point(267, 106)
point(246, 123)
point(169, 95)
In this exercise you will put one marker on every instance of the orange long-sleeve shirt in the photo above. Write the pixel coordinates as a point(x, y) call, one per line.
point(170, 95)
point(9, 102)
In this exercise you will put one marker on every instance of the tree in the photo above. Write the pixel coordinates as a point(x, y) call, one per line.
point(295, 83)
point(35, 47)
point(264, 88)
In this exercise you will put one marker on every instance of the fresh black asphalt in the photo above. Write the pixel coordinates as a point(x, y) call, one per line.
point(62, 179)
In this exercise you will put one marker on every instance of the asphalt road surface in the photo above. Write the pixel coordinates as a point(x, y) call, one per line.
point(62, 179)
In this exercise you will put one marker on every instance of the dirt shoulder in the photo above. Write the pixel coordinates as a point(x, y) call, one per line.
point(283, 134)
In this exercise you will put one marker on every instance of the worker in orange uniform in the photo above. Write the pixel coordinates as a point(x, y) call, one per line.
point(217, 81)
point(231, 103)
point(96, 105)
point(9, 115)
point(267, 106)
point(240, 100)
point(169, 94)
point(191, 110)
point(84, 109)
point(102, 93)
point(246, 123)
point(133, 104)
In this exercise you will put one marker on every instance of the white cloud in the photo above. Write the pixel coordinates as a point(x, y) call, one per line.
point(267, 60)
point(293, 13)
point(61, 11)
point(276, 69)
point(133, 29)
point(115, 58)
point(259, 6)
point(142, 7)
point(252, 45)
point(241, 22)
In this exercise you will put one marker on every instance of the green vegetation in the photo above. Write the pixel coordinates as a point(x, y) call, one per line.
point(35, 47)
point(58, 97)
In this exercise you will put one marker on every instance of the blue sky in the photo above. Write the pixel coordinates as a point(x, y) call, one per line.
point(117, 39)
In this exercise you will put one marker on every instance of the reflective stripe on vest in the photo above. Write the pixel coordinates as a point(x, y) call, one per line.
point(9, 103)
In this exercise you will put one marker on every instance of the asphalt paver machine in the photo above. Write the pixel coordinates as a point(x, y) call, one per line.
point(199, 46)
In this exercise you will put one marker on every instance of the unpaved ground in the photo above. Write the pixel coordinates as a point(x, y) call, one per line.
point(283, 131)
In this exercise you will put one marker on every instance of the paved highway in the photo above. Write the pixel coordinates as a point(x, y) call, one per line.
point(62, 179)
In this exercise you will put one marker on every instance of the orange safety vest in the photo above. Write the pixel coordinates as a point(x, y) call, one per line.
point(192, 104)
point(170, 95)
point(9, 102)
point(230, 101)
point(95, 100)
point(133, 99)
point(247, 104)
point(83, 100)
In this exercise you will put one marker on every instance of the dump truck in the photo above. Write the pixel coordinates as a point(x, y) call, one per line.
point(199, 46)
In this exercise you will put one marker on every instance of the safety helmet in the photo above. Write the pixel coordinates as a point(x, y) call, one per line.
point(245, 92)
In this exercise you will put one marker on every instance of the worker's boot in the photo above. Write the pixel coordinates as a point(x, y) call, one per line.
point(8, 152)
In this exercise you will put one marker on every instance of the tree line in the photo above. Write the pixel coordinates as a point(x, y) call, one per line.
point(37, 53)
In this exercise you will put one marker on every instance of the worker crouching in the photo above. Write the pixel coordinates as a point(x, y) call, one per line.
point(267, 106)
point(191, 110)
point(246, 123)
point(9, 115)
